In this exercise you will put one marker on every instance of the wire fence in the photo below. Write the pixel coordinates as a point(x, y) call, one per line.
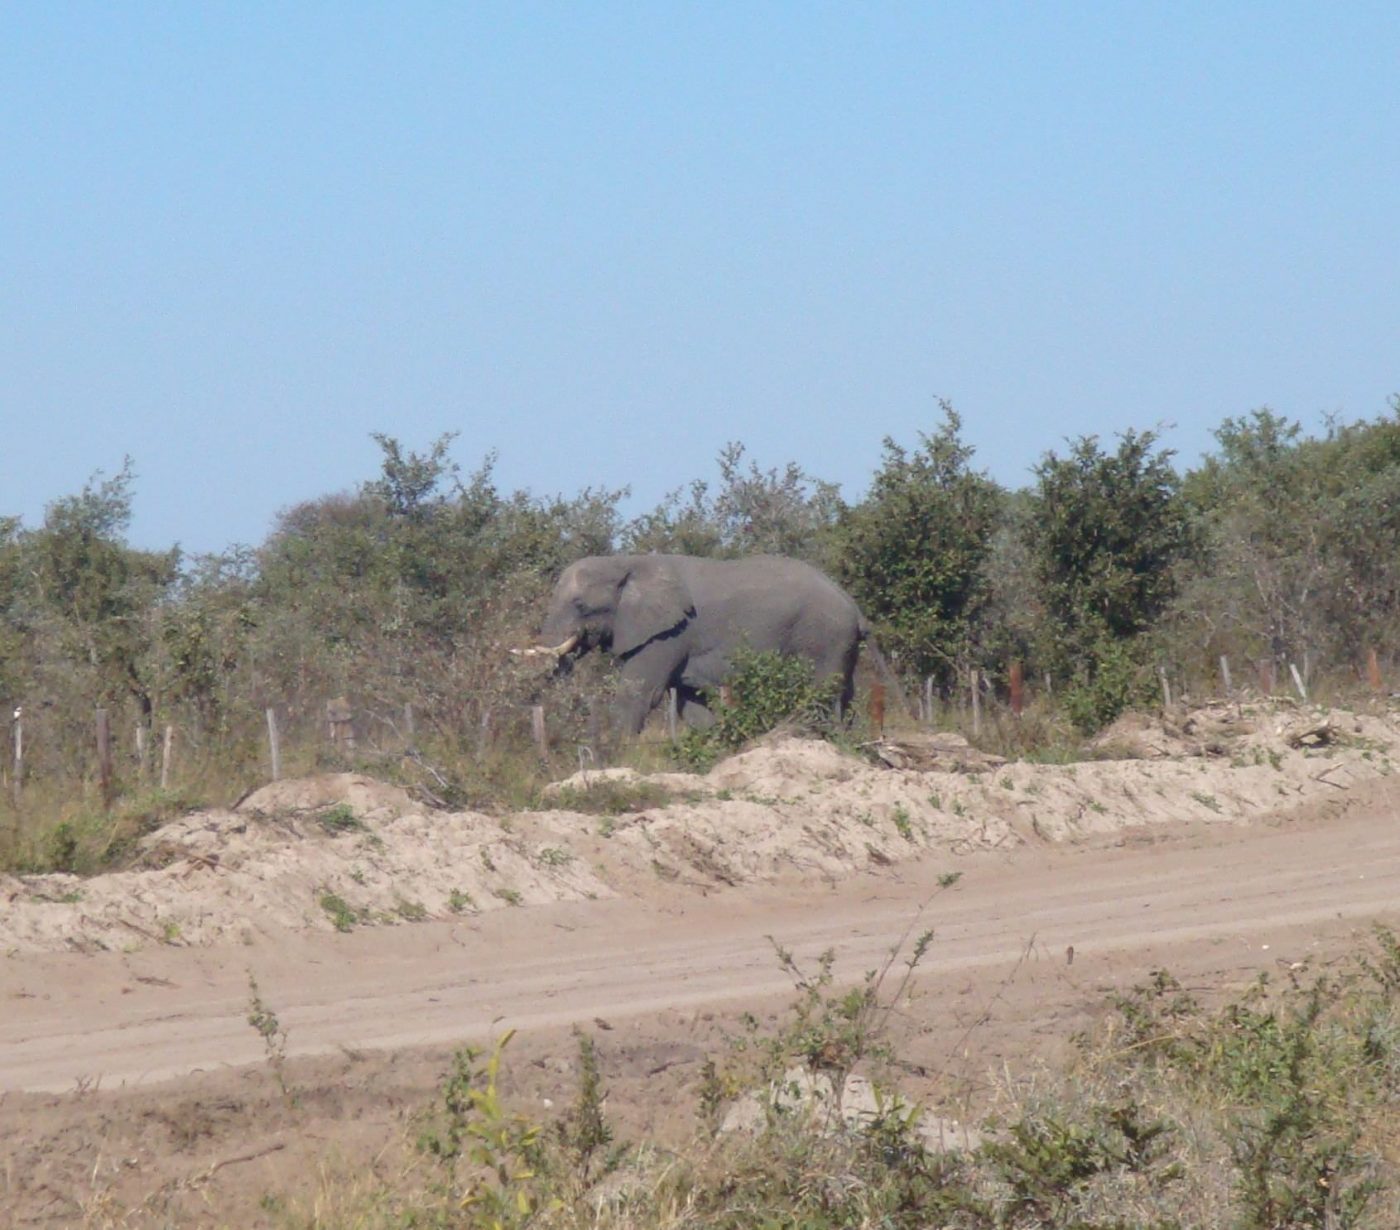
point(126, 752)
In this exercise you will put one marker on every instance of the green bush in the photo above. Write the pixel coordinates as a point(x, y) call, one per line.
point(766, 690)
point(1120, 681)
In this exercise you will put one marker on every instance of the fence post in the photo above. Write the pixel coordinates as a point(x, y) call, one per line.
point(1298, 682)
point(165, 756)
point(976, 702)
point(19, 751)
point(538, 731)
point(274, 742)
point(928, 700)
point(340, 722)
point(672, 712)
point(104, 756)
point(1266, 676)
point(1225, 675)
point(595, 731)
point(1373, 670)
point(409, 730)
point(877, 709)
point(483, 734)
point(1166, 687)
point(1017, 683)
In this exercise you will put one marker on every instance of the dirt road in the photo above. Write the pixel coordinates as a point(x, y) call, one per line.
point(163, 1012)
point(133, 1090)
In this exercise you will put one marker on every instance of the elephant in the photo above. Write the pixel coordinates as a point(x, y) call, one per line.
point(674, 621)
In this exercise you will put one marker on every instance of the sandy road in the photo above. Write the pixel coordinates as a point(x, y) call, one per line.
point(1255, 893)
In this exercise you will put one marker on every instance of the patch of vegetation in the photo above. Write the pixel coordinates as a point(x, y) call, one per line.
point(458, 901)
point(766, 690)
point(89, 841)
point(340, 819)
point(611, 796)
point(274, 1038)
point(555, 856)
point(410, 911)
point(338, 910)
point(1276, 1110)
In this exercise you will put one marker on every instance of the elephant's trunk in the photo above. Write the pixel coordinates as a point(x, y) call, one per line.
point(558, 651)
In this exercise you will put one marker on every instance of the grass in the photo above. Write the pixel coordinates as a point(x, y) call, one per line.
point(339, 819)
point(82, 838)
point(338, 910)
point(611, 796)
point(1273, 1110)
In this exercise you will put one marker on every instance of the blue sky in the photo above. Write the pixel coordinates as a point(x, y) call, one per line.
point(605, 239)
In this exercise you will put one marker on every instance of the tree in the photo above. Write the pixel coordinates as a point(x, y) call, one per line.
point(779, 511)
point(1106, 534)
point(98, 594)
point(913, 552)
point(1301, 533)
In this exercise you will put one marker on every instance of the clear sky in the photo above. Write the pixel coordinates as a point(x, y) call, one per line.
point(605, 239)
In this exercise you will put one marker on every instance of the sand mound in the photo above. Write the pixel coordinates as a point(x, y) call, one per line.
point(343, 850)
point(370, 800)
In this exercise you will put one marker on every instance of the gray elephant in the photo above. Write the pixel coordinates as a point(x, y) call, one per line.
point(674, 621)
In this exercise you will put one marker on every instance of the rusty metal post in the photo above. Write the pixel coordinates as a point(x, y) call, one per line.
point(1266, 676)
point(1018, 688)
point(877, 708)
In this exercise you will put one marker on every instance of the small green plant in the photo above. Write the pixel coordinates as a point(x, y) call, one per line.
point(410, 911)
point(170, 931)
point(510, 896)
point(585, 1133)
point(274, 1038)
point(900, 816)
point(554, 856)
point(458, 901)
point(340, 819)
point(338, 910)
point(1206, 800)
point(493, 1161)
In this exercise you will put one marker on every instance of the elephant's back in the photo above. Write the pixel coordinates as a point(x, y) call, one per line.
point(778, 578)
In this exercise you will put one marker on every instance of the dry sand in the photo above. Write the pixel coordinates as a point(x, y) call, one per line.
point(1235, 839)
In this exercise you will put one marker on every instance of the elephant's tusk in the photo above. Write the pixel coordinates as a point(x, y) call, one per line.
point(539, 651)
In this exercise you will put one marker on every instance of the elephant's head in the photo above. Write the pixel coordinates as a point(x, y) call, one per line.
point(616, 603)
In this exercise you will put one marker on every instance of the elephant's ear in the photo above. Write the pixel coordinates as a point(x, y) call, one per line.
point(653, 600)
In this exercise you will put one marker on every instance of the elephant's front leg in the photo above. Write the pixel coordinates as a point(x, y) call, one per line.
point(645, 677)
point(693, 710)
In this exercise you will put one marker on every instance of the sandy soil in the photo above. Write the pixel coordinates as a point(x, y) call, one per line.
point(133, 1091)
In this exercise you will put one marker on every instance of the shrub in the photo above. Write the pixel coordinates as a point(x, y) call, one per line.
point(767, 690)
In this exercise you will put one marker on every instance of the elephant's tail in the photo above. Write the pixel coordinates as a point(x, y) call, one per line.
point(867, 638)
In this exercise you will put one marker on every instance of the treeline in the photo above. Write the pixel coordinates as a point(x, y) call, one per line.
point(1111, 566)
